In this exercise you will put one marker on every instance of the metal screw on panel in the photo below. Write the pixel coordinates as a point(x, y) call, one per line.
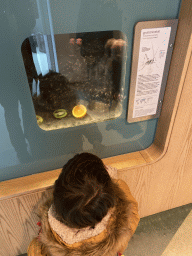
point(171, 45)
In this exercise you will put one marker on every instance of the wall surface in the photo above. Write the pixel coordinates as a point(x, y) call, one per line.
point(26, 149)
point(159, 177)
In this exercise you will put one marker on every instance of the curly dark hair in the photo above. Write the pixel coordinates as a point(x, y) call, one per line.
point(84, 192)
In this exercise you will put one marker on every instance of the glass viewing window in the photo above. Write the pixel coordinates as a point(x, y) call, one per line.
point(76, 78)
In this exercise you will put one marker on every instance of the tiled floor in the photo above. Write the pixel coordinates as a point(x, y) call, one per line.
point(155, 234)
point(163, 234)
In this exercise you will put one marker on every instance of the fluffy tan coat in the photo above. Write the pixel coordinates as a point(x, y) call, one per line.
point(114, 238)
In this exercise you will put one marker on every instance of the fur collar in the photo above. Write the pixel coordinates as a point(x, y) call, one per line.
point(72, 235)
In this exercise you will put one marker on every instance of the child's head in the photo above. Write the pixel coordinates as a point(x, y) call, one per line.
point(83, 193)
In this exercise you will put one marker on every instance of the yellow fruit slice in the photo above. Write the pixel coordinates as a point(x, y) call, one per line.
point(39, 119)
point(79, 111)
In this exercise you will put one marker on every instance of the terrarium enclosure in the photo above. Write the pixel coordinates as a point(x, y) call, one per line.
point(54, 46)
point(75, 78)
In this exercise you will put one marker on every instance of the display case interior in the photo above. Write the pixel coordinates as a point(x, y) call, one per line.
point(89, 86)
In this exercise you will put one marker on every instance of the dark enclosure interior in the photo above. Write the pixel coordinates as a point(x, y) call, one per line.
point(90, 69)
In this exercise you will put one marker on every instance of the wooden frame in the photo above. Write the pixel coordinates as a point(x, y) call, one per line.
point(159, 177)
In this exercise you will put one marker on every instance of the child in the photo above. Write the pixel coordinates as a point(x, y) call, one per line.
point(91, 212)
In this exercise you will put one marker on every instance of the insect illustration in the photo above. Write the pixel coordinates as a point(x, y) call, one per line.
point(149, 61)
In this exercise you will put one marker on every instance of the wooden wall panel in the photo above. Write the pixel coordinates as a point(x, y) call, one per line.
point(18, 222)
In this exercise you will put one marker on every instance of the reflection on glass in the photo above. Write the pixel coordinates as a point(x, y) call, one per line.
point(88, 87)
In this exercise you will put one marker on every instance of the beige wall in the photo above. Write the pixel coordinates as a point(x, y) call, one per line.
point(160, 177)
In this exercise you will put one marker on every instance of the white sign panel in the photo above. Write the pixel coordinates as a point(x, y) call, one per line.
point(152, 56)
